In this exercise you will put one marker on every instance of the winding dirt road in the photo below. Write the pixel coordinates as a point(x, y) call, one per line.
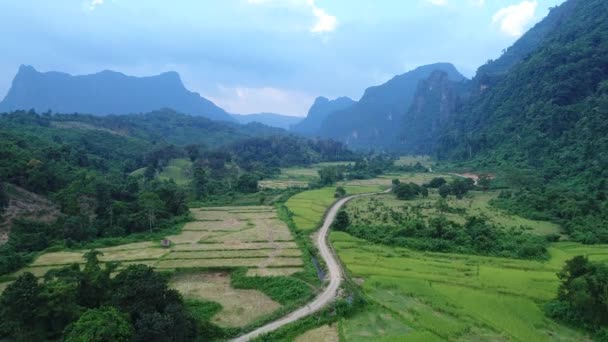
point(335, 278)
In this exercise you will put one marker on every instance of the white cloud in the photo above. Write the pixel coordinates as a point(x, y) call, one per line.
point(95, 3)
point(324, 21)
point(248, 100)
point(438, 2)
point(514, 19)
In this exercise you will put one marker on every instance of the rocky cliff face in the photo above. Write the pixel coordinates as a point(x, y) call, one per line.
point(435, 101)
point(375, 121)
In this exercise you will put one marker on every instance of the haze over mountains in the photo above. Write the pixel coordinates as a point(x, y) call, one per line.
point(269, 119)
point(428, 110)
point(104, 93)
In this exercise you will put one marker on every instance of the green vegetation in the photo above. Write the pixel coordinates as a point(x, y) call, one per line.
point(308, 207)
point(87, 305)
point(285, 290)
point(555, 96)
point(441, 296)
point(467, 225)
point(581, 298)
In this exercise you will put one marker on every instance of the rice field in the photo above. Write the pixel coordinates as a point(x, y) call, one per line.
point(239, 307)
point(308, 207)
point(437, 296)
point(326, 333)
point(221, 237)
point(412, 160)
point(296, 177)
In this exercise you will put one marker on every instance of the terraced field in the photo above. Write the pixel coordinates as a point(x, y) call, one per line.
point(222, 237)
point(251, 237)
point(425, 296)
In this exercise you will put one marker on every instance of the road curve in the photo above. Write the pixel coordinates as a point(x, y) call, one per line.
point(335, 278)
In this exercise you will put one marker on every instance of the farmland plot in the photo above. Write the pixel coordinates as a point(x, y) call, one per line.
point(441, 296)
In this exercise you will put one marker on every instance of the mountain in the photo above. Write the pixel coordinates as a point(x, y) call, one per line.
point(375, 121)
point(269, 119)
point(541, 105)
point(104, 93)
point(320, 109)
point(545, 121)
point(435, 102)
point(168, 126)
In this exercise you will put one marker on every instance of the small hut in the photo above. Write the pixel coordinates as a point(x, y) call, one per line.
point(166, 243)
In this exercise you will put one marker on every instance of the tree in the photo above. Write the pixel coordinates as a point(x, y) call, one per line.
point(100, 325)
point(436, 183)
point(3, 198)
point(194, 151)
point(407, 191)
point(247, 183)
point(19, 306)
point(59, 306)
point(424, 192)
point(445, 190)
point(200, 181)
point(581, 297)
point(330, 174)
point(342, 221)
point(340, 192)
point(151, 205)
point(484, 182)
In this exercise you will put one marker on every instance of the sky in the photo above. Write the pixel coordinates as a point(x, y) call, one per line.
point(252, 56)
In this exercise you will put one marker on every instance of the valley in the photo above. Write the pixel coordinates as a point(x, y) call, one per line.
point(438, 171)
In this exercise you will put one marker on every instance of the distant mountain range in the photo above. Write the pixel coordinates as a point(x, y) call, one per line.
point(104, 93)
point(269, 119)
point(375, 121)
point(319, 111)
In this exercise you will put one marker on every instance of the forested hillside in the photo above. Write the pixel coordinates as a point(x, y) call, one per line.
point(168, 125)
point(547, 114)
point(84, 165)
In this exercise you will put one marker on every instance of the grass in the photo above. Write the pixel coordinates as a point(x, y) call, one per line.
point(368, 210)
point(178, 169)
point(412, 160)
point(458, 297)
point(326, 333)
point(297, 177)
point(238, 307)
point(374, 324)
point(308, 207)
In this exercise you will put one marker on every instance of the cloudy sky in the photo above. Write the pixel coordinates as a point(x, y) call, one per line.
point(261, 55)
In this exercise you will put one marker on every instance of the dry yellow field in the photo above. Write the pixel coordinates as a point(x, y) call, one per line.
point(251, 237)
point(272, 272)
point(326, 333)
point(239, 307)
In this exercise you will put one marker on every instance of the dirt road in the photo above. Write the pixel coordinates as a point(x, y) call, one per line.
point(335, 278)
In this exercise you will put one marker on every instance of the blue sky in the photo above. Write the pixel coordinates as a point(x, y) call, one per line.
point(261, 55)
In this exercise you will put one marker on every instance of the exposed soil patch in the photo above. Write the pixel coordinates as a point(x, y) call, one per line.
point(25, 205)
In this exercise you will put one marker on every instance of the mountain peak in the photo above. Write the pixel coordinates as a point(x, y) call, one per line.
point(105, 92)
